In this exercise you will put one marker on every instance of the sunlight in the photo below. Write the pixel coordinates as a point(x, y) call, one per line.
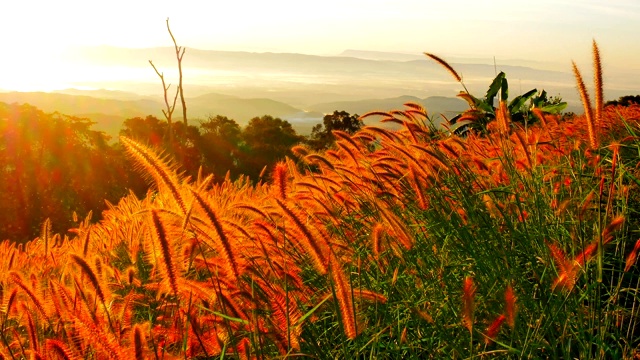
point(58, 75)
point(33, 81)
point(28, 70)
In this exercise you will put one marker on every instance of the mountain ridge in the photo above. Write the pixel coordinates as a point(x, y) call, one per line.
point(110, 113)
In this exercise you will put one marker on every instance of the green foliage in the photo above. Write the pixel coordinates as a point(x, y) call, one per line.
point(626, 100)
point(219, 145)
point(265, 141)
point(149, 129)
point(52, 165)
point(483, 110)
point(321, 137)
point(55, 165)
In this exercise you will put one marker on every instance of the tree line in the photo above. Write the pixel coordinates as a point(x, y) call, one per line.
point(55, 165)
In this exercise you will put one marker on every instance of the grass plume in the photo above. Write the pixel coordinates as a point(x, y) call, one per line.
point(446, 65)
point(597, 83)
point(93, 279)
point(156, 167)
point(163, 247)
point(588, 109)
point(343, 295)
point(227, 251)
point(468, 294)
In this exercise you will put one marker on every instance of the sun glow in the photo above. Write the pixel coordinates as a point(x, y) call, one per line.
point(33, 80)
point(32, 73)
point(35, 32)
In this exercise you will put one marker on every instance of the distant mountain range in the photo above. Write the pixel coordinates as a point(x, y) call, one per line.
point(110, 108)
point(349, 63)
point(394, 56)
point(297, 87)
point(302, 80)
point(434, 105)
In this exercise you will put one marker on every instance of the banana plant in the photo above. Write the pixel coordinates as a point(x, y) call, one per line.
point(482, 111)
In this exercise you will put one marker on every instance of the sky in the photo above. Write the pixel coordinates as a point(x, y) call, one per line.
point(543, 30)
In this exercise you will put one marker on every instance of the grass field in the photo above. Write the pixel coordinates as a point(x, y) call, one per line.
point(519, 242)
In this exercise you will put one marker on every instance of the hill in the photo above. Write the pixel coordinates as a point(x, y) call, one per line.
point(435, 105)
point(109, 113)
point(103, 94)
point(242, 110)
point(302, 80)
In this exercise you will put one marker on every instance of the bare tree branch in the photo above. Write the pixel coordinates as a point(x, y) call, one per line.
point(179, 54)
point(168, 113)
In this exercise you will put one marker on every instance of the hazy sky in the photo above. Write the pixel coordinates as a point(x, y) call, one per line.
point(542, 28)
point(550, 30)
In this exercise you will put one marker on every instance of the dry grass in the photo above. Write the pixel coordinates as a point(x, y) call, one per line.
point(337, 260)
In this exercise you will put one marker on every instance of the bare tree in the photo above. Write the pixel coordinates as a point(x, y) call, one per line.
point(179, 54)
point(170, 107)
point(168, 113)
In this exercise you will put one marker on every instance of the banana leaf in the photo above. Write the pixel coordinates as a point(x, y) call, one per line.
point(494, 88)
point(504, 89)
point(554, 109)
point(518, 102)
